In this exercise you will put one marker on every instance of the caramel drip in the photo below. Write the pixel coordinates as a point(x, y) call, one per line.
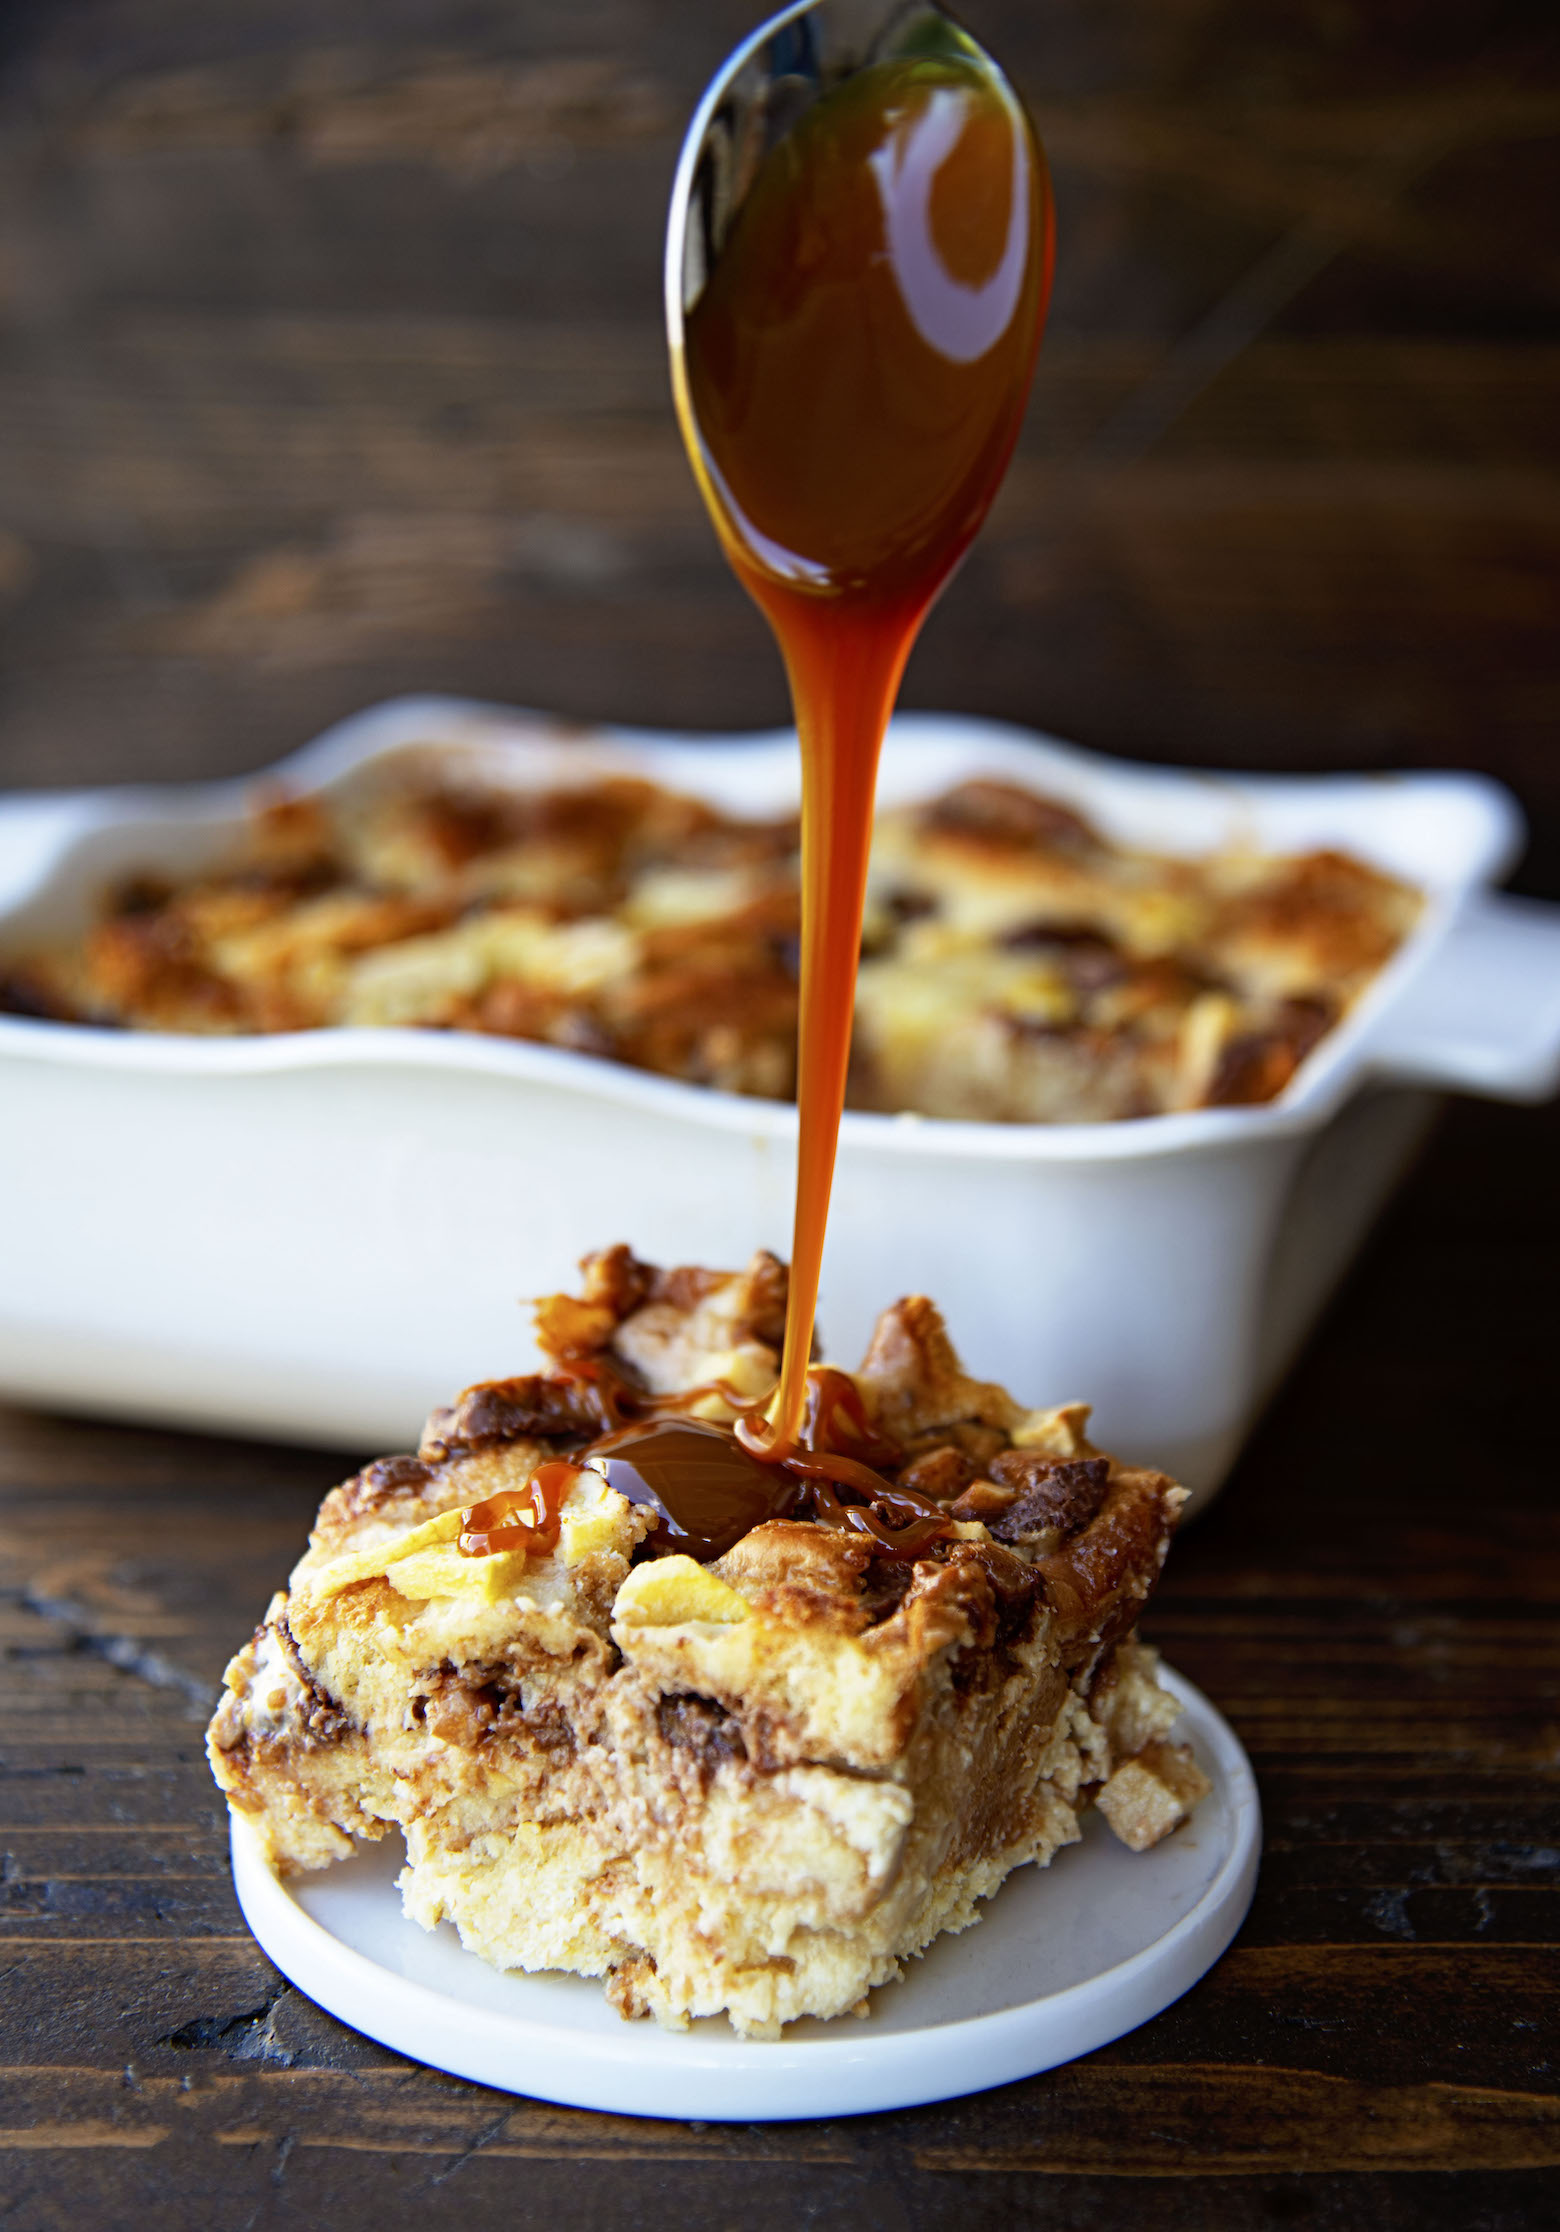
point(838, 1448)
point(706, 1489)
point(528, 1518)
point(852, 384)
point(921, 1523)
point(710, 1484)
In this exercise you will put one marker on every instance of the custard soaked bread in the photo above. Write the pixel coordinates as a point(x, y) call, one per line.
point(1017, 966)
point(733, 1735)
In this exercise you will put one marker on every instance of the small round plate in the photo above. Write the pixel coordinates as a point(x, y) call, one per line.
point(1065, 1959)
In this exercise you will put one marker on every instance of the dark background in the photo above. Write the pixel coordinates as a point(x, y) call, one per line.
point(330, 366)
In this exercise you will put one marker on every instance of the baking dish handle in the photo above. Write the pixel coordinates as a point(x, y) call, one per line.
point(1483, 1015)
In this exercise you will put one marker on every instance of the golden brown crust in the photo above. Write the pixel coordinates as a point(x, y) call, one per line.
point(915, 1385)
point(1100, 1581)
point(758, 1784)
point(1017, 966)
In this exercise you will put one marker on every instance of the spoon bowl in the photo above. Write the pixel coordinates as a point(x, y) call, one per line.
point(857, 267)
point(853, 433)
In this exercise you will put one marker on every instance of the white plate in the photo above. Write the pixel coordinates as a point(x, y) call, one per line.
point(1067, 1958)
point(391, 1155)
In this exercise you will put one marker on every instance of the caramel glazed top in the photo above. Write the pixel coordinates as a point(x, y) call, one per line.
point(909, 1458)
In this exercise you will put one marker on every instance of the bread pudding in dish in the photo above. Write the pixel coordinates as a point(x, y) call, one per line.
point(1017, 966)
point(732, 1735)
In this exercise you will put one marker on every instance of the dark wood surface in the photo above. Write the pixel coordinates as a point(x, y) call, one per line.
point(330, 367)
point(1373, 1602)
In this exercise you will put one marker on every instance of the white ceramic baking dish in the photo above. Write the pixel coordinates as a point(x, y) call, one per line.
point(319, 1235)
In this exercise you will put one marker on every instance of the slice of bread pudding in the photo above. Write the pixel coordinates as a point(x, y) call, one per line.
point(740, 1755)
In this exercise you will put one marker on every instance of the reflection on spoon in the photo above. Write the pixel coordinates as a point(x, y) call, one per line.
point(959, 319)
point(857, 268)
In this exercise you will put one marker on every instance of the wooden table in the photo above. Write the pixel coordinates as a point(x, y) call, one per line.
point(329, 367)
point(1373, 1602)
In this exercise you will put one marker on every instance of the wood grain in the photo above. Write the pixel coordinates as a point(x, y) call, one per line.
point(1372, 1602)
point(330, 366)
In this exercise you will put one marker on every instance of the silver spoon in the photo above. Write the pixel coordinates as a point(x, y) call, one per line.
point(756, 97)
point(756, 100)
point(857, 263)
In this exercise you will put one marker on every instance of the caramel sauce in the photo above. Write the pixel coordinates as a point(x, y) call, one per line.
point(705, 1487)
point(851, 386)
point(834, 1417)
point(710, 1484)
point(528, 1518)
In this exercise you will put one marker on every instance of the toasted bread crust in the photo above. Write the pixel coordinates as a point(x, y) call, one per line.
point(1017, 966)
point(758, 1785)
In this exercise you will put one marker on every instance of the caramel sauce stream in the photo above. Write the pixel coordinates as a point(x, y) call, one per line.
point(851, 386)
